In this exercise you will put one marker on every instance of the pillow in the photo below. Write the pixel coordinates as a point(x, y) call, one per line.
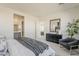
point(1, 36)
point(3, 45)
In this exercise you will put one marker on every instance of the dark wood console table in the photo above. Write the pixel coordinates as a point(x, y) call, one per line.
point(53, 37)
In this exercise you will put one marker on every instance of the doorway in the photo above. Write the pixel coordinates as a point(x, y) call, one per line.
point(18, 26)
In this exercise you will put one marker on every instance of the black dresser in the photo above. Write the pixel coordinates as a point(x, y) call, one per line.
point(53, 37)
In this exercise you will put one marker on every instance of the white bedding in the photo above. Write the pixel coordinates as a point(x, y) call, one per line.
point(17, 49)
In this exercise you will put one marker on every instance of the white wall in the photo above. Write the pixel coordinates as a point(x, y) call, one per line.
point(30, 29)
point(39, 25)
point(66, 16)
point(6, 23)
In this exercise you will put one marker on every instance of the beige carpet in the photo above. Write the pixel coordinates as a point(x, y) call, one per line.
point(61, 51)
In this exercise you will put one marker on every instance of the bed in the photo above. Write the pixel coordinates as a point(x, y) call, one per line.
point(15, 48)
point(24, 46)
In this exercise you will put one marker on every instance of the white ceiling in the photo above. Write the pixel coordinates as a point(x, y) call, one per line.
point(39, 9)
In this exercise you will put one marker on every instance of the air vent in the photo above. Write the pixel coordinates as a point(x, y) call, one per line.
point(60, 3)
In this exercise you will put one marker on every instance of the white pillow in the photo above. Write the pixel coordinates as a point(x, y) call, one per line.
point(1, 36)
point(3, 44)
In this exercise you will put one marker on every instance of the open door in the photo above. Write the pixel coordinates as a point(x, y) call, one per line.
point(18, 26)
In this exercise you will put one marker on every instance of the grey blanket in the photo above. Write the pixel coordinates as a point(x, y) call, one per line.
point(36, 46)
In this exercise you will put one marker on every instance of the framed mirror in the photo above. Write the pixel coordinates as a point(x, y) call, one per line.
point(55, 25)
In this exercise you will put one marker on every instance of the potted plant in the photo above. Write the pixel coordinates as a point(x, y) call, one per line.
point(73, 28)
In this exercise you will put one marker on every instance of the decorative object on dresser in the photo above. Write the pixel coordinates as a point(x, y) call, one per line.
point(53, 37)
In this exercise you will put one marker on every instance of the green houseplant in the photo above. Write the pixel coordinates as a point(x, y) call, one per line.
point(73, 28)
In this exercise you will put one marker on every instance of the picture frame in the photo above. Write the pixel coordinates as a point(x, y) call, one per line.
point(55, 25)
